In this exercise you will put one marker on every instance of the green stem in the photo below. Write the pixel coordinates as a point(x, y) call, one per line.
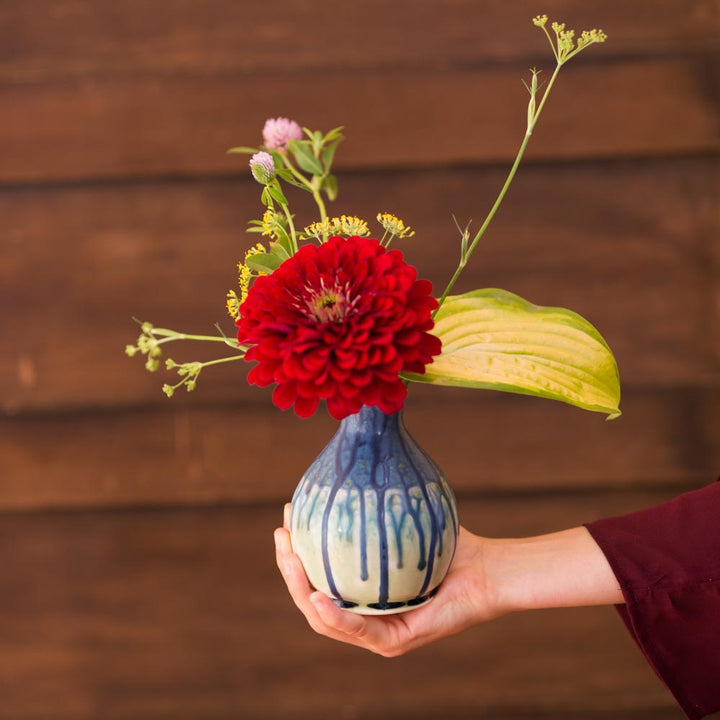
point(488, 219)
point(190, 372)
point(291, 226)
point(320, 203)
point(231, 358)
point(552, 44)
point(534, 120)
point(312, 187)
point(296, 173)
point(170, 335)
point(502, 193)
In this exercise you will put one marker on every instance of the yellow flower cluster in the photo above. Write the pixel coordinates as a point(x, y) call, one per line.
point(347, 225)
point(394, 225)
point(233, 301)
point(268, 223)
point(565, 39)
point(233, 304)
point(591, 36)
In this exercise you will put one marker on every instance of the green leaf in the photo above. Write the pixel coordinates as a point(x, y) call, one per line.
point(263, 262)
point(328, 155)
point(334, 134)
point(284, 241)
point(305, 158)
point(242, 149)
point(494, 339)
point(276, 192)
point(331, 187)
point(279, 250)
point(289, 178)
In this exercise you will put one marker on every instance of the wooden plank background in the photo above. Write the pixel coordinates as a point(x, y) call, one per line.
point(135, 531)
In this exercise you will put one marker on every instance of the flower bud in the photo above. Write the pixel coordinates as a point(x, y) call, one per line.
point(262, 167)
point(531, 105)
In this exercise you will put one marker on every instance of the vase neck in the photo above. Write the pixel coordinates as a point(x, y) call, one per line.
point(371, 419)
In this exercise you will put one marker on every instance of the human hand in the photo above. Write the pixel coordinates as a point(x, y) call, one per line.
point(463, 599)
point(488, 578)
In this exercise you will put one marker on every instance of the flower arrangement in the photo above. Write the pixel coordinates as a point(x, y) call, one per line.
point(331, 313)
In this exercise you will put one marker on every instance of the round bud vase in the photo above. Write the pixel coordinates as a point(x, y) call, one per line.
point(373, 519)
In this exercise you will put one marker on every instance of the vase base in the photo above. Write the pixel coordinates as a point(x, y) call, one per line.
point(390, 608)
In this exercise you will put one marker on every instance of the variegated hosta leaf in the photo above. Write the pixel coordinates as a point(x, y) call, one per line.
point(494, 339)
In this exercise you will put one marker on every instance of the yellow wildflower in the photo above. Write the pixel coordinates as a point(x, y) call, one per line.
point(394, 225)
point(233, 304)
point(317, 229)
point(346, 225)
point(349, 225)
point(245, 272)
point(268, 223)
point(565, 46)
point(591, 36)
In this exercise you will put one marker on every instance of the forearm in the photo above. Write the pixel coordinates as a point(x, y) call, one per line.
point(562, 569)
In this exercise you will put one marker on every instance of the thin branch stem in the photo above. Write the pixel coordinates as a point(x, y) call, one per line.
point(296, 173)
point(230, 358)
point(531, 125)
point(312, 186)
point(171, 335)
point(503, 191)
point(320, 203)
point(291, 226)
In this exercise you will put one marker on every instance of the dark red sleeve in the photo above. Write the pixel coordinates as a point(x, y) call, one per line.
point(667, 561)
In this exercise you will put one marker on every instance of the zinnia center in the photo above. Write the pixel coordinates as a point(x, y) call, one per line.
point(328, 305)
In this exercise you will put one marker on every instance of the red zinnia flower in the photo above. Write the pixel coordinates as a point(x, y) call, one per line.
point(339, 322)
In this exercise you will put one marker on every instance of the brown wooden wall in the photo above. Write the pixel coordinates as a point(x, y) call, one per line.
point(136, 567)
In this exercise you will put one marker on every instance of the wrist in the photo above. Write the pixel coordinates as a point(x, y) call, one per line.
point(563, 569)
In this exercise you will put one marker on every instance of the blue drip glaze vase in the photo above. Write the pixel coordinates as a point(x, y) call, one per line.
point(373, 519)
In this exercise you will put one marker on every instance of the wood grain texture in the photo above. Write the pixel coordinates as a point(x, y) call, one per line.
point(485, 443)
point(131, 586)
point(52, 39)
point(181, 614)
point(627, 245)
point(149, 125)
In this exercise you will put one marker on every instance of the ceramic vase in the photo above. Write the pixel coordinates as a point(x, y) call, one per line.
point(373, 519)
